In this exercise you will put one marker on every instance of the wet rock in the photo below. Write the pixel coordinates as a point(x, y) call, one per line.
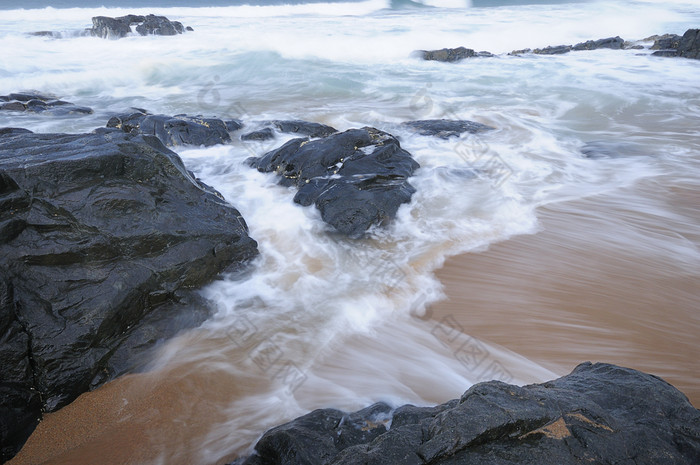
point(444, 129)
point(615, 43)
point(304, 127)
point(555, 50)
point(40, 103)
point(447, 54)
point(599, 413)
point(103, 238)
point(357, 178)
point(175, 130)
point(116, 28)
point(521, 52)
point(689, 45)
point(160, 26)
point(664, 42)
point(262, 134)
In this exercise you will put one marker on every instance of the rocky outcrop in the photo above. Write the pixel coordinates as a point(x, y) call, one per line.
point(664, 42)
point(33, 102)
point(116, 28)
point(357, 178)
point(599, 413)
point(614, 43)
point(444, 128)
point(176, 130)
point(687, 46)
point(103, 236)
point(451, 54)
point(267, 129)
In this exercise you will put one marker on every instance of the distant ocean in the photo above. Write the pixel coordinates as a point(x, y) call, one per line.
point(350, 64)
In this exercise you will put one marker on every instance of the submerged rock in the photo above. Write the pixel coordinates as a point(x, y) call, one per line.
point(607, 149)
point(444, 128)
point(116, 28)
point(103, 236)
point(449, 54)
point(267, 129)
point(599, 413)
point(357, 178)
point(32, 102)
point(175, 130)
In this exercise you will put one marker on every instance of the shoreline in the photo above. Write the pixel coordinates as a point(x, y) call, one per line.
point(573, 292)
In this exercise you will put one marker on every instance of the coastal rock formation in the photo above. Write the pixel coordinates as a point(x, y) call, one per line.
point(103, 236)
point(451, 54)
point(664, 42)
point(614, 43)
point(357, 178)
point(176, 130)
point(687, 46)
point(305, 128)
point(444, 128)
point(116, 28)
point(599, 413)
point(33, 102)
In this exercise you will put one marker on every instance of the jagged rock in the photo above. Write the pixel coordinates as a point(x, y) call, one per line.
point(116, 28)
point(175, 130)
point(447, 54)
point(689, 45)
point(160, 26)
point(103, 238)
point(444, 129)
point(615, 43)
point(40, 103)
point(303, 127)
point(357, 178)
point(555, 50)
point(664, 42)
point(599, 413)
point(261, 134)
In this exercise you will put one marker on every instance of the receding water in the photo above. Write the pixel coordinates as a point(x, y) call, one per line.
point(556, 258)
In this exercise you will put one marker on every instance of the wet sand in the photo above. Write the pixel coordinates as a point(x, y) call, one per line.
point(611, 278)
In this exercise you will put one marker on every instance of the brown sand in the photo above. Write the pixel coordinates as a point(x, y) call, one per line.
point(600, 282)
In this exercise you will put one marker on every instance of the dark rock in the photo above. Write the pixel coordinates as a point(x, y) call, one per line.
point(39, 103)
point(615, 43)
point(447, 54)
point(188, 28)
point(556, 50)
point(665, 53)
point(103, 238)
point(599, 413)
point(261, 134)
point(110, 28)
point(233, 125)
point(444, 128)
point(174, 130)
point(304, 127)
point(521, 52)
point(664, 42)
point(357, 178)
point(116, 28)
point(160, 26)
point(689, 45)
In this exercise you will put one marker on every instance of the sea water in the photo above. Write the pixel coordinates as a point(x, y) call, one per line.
point(324, 321)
